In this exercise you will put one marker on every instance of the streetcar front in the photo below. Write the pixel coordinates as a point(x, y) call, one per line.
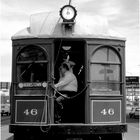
point(98, 57)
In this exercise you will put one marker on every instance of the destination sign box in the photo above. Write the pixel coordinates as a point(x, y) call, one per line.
point(31, 85)
point(132, 81)
point(105, 111)
point(31, 111)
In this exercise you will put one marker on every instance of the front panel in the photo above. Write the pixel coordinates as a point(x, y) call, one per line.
point(31, 72)
point(106, 78)
point(105, 111)
point(31, 111)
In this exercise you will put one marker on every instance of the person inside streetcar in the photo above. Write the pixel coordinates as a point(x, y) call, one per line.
point(66, 87)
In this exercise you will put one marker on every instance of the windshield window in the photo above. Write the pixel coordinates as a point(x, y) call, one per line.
point(105, 72)
point(32, 65)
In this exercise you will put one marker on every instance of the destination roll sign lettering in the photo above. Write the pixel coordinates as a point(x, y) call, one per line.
point(30, 85)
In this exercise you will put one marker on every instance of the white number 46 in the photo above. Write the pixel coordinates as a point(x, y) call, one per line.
point(109, 111)
point(30, 112)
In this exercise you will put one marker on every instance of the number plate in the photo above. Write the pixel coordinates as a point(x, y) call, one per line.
point(31, 111)
point(105, 111)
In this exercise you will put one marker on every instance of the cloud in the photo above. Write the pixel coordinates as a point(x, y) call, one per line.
point(5, 60)
point(8, 29)
point(15, 14)
point(81, 2)
point(34, 6)
point(110, 8)
point(119, 12)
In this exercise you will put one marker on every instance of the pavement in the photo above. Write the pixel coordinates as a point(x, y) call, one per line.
point(133, 133)
point(5, 135)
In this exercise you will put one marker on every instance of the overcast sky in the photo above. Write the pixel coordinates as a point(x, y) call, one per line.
point(122, 15)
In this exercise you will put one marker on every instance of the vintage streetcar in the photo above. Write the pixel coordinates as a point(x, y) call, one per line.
point(97, 111)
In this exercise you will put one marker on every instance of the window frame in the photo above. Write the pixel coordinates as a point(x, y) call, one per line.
point(119, 64)
point(28, 62)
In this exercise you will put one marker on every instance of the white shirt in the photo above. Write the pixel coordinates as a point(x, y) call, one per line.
point(67, 83)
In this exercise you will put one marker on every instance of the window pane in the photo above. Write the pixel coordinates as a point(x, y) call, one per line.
point(105, 72)
point(30, 68)
point(32, 72)
point(105, 78)
point(32, 53)
point(105, 88)
point(35, 92)
point(105, 55)
point(113, 57)
point(100, 55)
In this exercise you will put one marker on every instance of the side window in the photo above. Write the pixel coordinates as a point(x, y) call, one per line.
point(105, 71)
point(32, 65)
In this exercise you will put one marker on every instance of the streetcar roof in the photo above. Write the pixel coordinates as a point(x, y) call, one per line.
point(49, 25)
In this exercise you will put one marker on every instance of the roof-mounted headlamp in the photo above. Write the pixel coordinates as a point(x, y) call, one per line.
point(68, 13)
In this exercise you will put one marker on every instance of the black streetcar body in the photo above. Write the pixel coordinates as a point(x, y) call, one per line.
point(99, 108)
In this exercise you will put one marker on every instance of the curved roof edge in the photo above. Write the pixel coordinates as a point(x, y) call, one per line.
point(25, 34)
point(49, 25)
